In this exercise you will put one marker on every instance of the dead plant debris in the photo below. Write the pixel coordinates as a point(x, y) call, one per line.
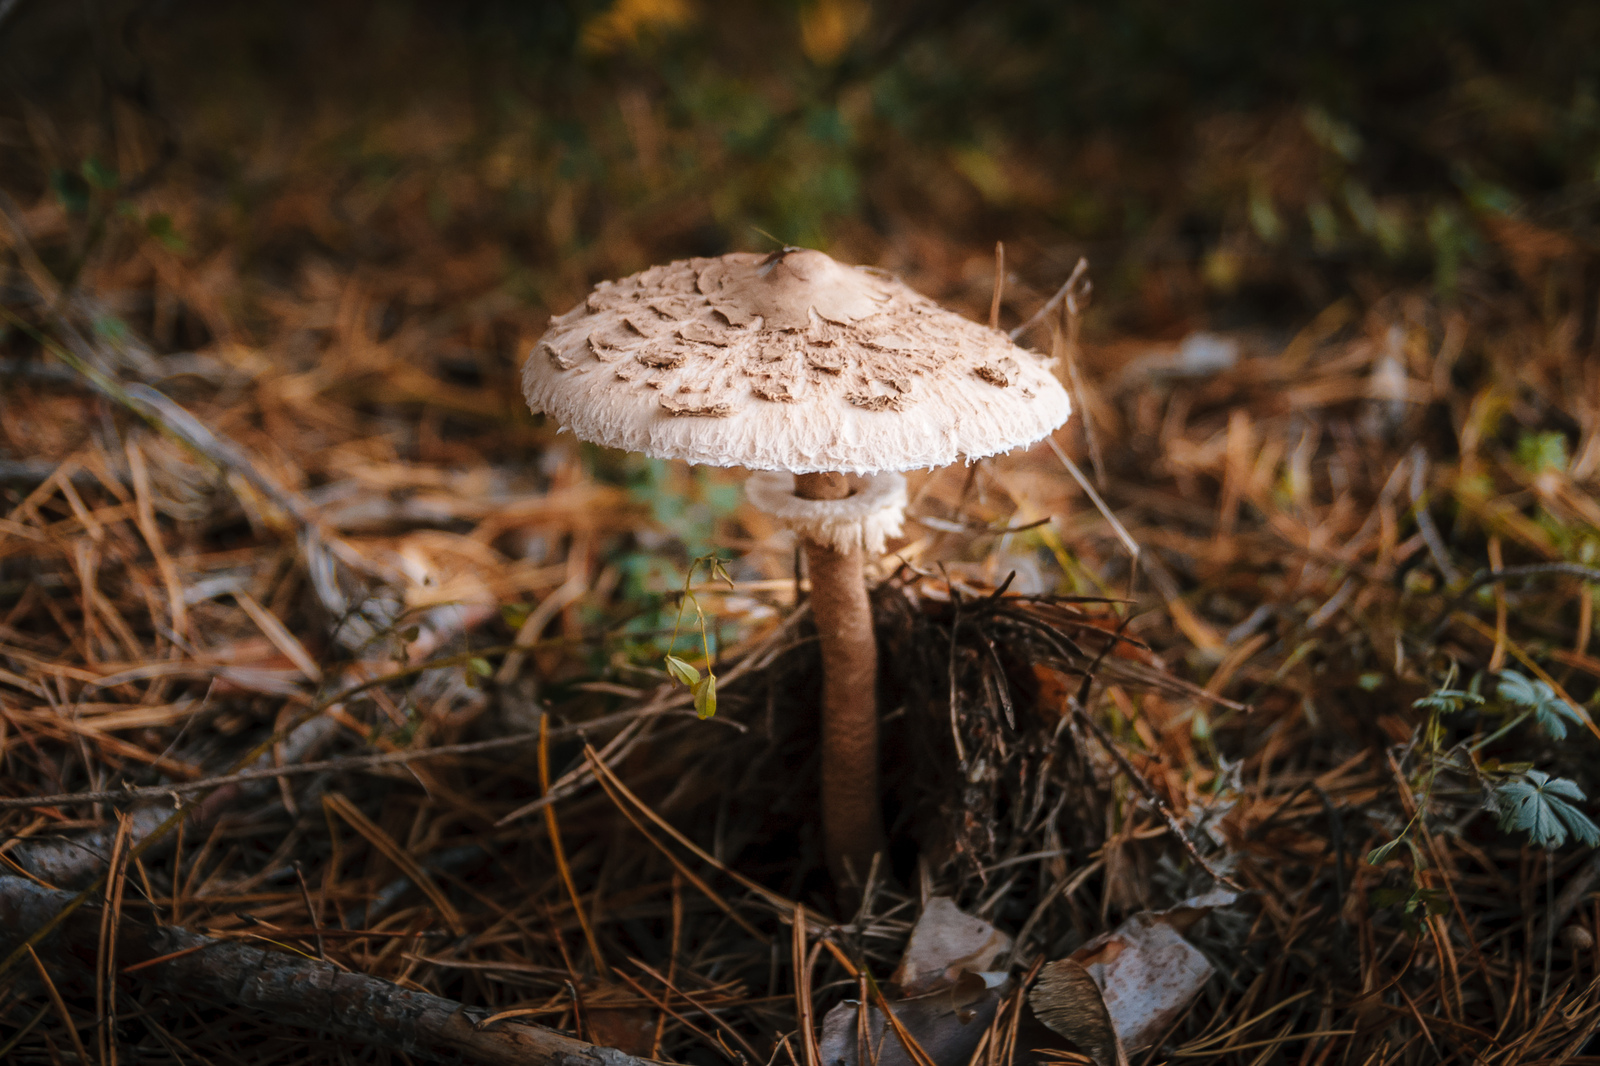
point(320, 658)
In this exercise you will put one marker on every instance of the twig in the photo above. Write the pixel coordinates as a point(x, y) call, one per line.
point(1148, 790)
point(1121, 531)
point(616, 749)
point(67, 861)
point(914, 1048)
point(355, 762)
point(60, 1004)
point(1064, 345)
point(320, 550)
point(1051, 304)
point(611, 785)
point(291, 990)
point(1579, 884)
point(528, 633)
point(999, 284)
point(311, 911)
point(802, 989)
point(1425, 526)
point(1488, 577)
point(665, 1008)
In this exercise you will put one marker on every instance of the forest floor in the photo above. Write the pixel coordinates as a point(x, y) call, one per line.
point(314, 640)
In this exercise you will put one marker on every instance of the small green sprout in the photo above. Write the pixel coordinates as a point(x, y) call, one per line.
point(1447, 701)
point(704, 688)
point(1414, 901)
point(1525, 799)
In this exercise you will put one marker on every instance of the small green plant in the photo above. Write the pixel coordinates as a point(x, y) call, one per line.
point(703, 687)
point(1525, 799)
point(1538, 452)
point(1414, 901)
point(1541, 805)
point(1540, 701)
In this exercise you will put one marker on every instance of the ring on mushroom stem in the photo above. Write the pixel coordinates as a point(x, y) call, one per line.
point(792, 362)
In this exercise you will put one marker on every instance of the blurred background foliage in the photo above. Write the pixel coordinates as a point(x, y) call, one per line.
point(1219, 161)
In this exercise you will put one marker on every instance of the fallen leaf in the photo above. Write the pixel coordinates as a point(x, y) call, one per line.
point(1067, 999)
point(945, 943)
point(947, 1023)
point(1146, 971)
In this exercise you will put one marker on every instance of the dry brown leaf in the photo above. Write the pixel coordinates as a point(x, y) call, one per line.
point(945, 943)
point(1067, 999)
point(947, 1024)
point(1146, 971)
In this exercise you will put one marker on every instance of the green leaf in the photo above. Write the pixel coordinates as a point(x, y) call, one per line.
point(705, 696)
point(1537, 696)
point(160, 226)
point(1378, 855)
point(1517, 689)
point(98, 174)
point(1560, 786)
point(682, 672)
point(1392, 896)
point(1447, 700)
point(71, 189)
point(1538, 452)
point(1431, 901)
point(1542, 807)
point(480, 667)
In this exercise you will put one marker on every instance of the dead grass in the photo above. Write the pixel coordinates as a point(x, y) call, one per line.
point(364, 546)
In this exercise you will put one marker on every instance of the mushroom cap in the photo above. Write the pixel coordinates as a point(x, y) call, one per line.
point(789, 361)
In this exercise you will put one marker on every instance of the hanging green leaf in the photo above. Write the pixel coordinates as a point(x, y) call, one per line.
point(682, 672)
point(705, 696)
point(1378, 855)
point(704, 688)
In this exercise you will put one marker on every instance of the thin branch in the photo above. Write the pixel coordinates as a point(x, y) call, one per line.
point(359, 762)
point(1425, 526)
point(1148, 790)
point(1054, 302)
point(1117, 527)
point(1489, 577)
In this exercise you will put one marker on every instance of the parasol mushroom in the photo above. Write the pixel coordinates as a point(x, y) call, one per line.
point(806, 371)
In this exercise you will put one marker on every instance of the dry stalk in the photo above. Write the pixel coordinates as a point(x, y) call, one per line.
point(290, 990)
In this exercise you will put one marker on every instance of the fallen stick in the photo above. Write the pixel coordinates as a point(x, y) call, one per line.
point(290, 990)
point(78, 859)
point(255, 775)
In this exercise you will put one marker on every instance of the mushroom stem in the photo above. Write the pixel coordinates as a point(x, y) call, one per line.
point(852, 820)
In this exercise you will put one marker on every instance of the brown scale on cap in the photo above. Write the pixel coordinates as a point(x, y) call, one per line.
point(872, 375)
